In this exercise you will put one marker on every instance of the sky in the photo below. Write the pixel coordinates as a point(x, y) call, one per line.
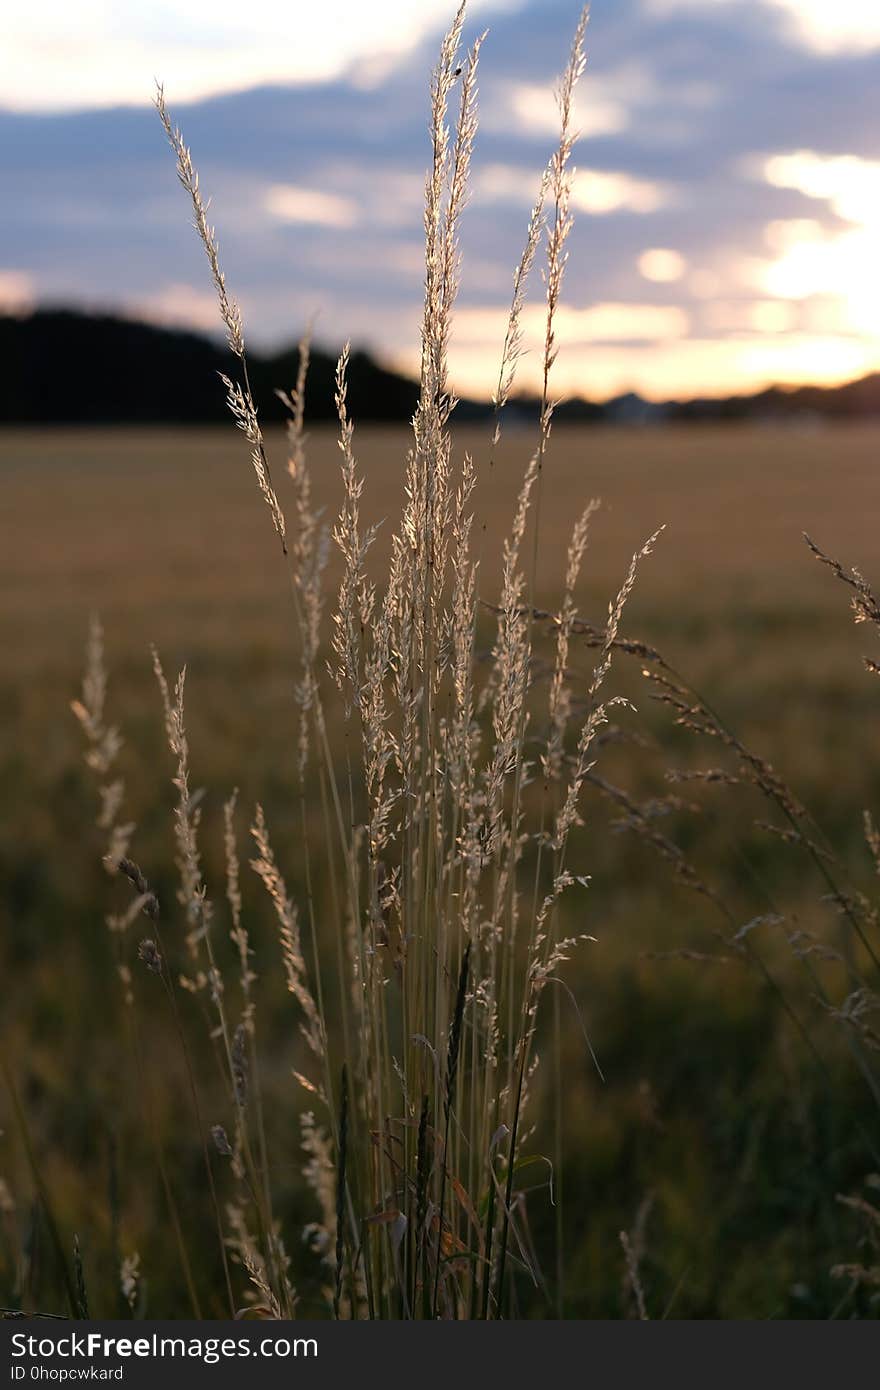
point(726, 200)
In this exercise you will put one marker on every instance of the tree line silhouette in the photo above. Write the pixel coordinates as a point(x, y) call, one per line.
point(62, 366)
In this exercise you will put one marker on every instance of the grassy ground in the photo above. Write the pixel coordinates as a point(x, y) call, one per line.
point(714, 1110)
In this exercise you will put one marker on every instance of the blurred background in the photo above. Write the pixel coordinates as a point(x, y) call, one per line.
point(728, 188)
point(719, 359)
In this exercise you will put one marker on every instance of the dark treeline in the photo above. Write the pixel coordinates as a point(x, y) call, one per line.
point(63, 367)
point(60, 366)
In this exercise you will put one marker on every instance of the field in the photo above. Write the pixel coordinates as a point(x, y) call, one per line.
point(720, 1137)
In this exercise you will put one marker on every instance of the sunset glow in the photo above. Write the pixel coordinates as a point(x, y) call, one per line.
point(726, 197)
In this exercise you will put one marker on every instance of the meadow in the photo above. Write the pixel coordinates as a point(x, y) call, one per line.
point(731, 1112)
point(444, 945)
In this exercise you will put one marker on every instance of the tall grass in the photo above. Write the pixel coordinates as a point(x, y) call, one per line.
point(424, 946)
point(419, 1001)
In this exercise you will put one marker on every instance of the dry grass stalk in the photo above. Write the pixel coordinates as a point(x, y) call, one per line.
point(104, 744)
point(442, 940)
point(239, 396)
point(431, 828)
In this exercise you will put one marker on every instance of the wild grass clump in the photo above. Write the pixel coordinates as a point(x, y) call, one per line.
point(419, 871)
point(447, 823)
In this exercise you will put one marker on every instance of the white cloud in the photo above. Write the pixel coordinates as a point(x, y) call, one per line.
point(595, 191)
point(835, 26)
point(825, 26)
point(531, 108)
point(810, 262)
point(843, 266)
point(600, 323)
point(848, 184)
point(662, 265)
point(290, 203)
point(604, 190)
point(59, 56)
point(783, 233)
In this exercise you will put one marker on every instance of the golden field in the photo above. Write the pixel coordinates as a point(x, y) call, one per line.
point(712, 1110)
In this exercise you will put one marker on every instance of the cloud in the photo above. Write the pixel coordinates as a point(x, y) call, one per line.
point(600, 323)
point(596, 191)
point(719, 134)
point(849, 185)
point(531, 108)
point(289, 203)
point(836, 266)
point(846, 26)
point(662, 264)
point(60, 56)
